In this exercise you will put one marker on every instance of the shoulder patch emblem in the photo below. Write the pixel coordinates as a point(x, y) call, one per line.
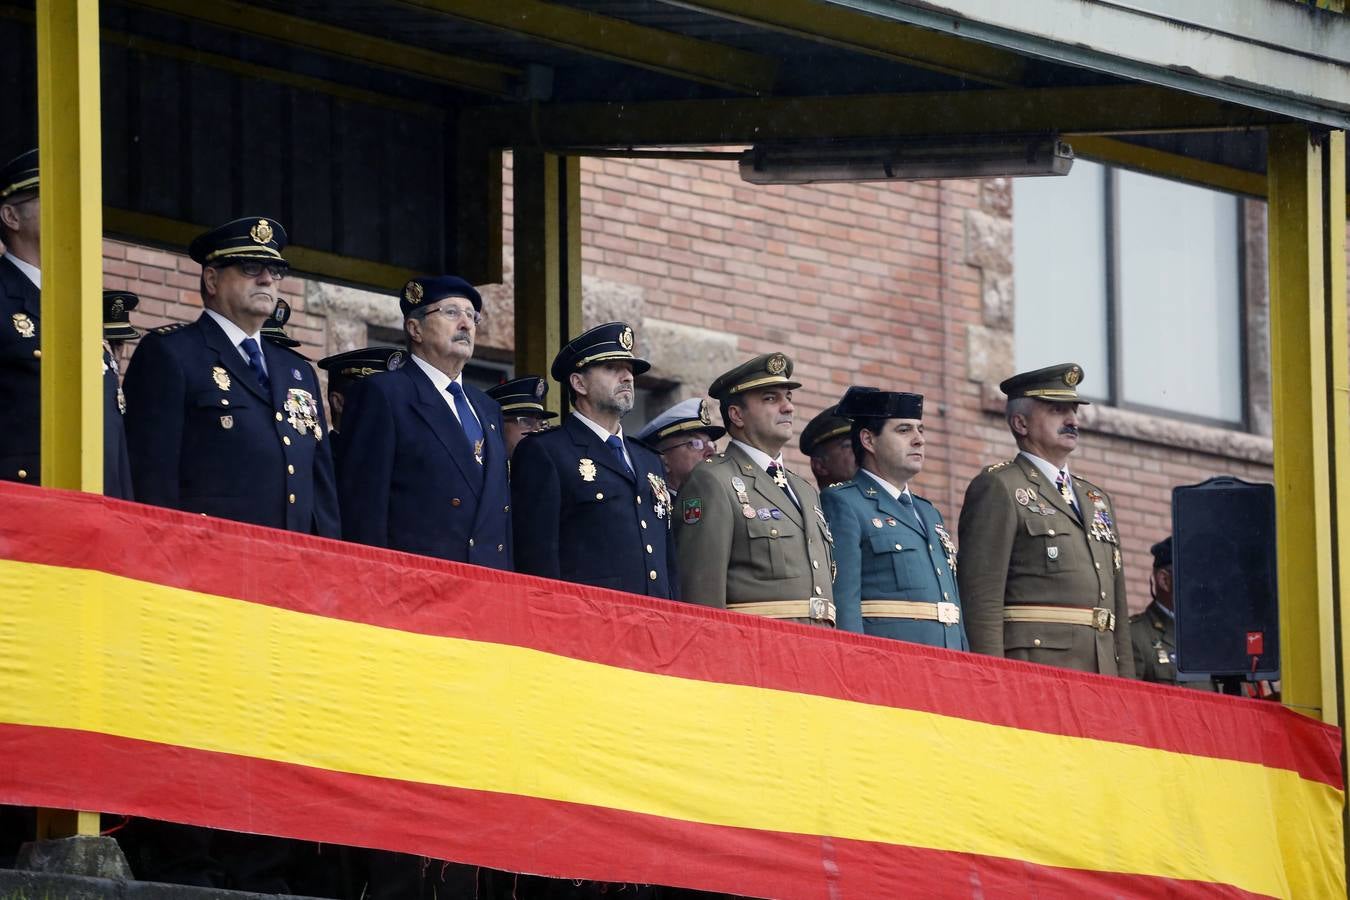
point(692, 510)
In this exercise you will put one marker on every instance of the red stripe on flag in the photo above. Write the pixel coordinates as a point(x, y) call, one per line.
point(66, 769)
point(418, 594)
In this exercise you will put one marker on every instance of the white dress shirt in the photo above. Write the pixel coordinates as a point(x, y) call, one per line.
point(603, 435)
point(236, 336)
point(33, 272)
point(442, 382)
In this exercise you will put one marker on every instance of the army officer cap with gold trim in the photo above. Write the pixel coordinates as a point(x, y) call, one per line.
point(827, 425)
point(610, 342)
point(682, 418)
point(765, 370)
point(1054, 384)
point(251, 238)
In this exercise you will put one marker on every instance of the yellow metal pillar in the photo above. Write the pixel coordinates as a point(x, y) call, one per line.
point(71, 191)
point(547, 224)
point(69, 160)
point(1306, 169)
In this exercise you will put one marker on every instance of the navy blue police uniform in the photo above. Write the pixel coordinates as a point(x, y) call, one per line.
point(896, 562)
point(411, 476)
point(205, 435)
point(581, 516)
point(20, 365)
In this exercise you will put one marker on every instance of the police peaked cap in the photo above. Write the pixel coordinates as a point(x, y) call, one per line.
point(611, 342)
point(19, 175)
point(523, 396)
point(683, 418)
point(117, 307)
point(250, 238)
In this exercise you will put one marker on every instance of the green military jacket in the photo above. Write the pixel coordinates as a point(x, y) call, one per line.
point(762, 549)
point(1021, 543)
point(1154, 636)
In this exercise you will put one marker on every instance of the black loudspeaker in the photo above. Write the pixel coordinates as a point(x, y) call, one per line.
point(1224, 579)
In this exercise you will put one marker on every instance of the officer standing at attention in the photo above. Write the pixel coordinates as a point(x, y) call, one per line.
point(1040, 571)
point(117, 328)
point(825, 439)
point(21, 345)
point(220, 421)
point(896, 562)
point(685, 436)
point(345, 371)
point(523, 412)
point(751, 535)
point(423, 463)
point(1153, 632)
point(595, 506)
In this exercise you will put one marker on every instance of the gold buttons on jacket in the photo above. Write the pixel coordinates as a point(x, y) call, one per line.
point(285, 439)
point(1051, 532)
point(599, 495)
point(649, 548)
point(224, 401)
point(454, 501)
point(898, 547)
point(23, 473)
point(470, 542)
point(773, 532)
point(652, 574)
point(1036, 642)
point(291, 498)
point(37, 354)
point(644, 523)
point(278, 417)
point(290, 470)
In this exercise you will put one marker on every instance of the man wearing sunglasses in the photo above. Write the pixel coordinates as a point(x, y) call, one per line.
point(221, 421)
point(685, 436)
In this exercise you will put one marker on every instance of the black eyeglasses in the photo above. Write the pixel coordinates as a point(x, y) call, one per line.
point(455, 312)
point(253, 269)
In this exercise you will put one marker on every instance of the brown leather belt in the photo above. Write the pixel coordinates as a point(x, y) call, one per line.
point(816, 608)
point(1095, 617)
point(944, 612)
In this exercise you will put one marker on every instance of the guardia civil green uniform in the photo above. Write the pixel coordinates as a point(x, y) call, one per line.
point(1040, 581)
point(743, 543)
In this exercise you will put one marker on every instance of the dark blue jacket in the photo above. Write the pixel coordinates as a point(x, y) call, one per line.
point(580, 518)
point(408, 479)
point(21, 392)
point(205, 438)
point(882, 553)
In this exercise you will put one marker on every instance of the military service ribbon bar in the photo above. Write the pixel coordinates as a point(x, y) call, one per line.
point(166, 665)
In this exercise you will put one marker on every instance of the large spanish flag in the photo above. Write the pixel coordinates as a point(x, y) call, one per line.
point(202, 671)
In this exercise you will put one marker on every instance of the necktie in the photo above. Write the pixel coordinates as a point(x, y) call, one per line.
point(908, 502)
point(255, 362)
point(473, 430)
point(1065, 484)
point(779, 476)
point(615, 444)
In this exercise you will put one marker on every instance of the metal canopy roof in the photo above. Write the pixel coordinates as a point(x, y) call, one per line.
point(364, 124)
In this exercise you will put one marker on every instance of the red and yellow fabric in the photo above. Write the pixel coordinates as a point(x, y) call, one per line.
point(201, 671)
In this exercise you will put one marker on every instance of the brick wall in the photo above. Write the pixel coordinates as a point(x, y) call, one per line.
point(906, 286)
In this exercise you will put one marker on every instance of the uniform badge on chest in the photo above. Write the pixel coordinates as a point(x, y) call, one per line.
point(220, 377)
point(586, 469)
point(24, 325)
point(301, 410)
point(660, 495)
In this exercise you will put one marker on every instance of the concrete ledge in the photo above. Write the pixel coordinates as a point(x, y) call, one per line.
point(17, 884)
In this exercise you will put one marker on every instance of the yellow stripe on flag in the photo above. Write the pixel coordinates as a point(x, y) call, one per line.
point(182, 668)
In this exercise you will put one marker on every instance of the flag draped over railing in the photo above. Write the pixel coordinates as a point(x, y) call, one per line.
point(172, 666)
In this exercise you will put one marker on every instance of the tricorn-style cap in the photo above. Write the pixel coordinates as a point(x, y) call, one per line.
point(117, 307)
point(419, 292)
point(272, 328)
point(1162, 553)
point(523, 396)
point(1057, 384)
point(19, 175)
point(871, 403)
point(253, 237)
point(826, 425)
point(612, 341)
point(353, 365)
point(682, 418)
point(765, 370)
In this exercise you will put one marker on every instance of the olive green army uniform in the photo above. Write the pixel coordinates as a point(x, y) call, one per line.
point(750, 555)
point(1023, 550)
point(742, 542)
point(1153, 633)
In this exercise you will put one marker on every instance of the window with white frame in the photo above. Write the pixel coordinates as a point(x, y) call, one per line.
point(1139, 280)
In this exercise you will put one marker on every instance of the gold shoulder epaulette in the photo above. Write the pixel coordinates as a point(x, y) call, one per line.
point(170, 328)
point(999, 465)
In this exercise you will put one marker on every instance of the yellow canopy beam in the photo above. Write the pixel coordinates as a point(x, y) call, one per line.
point(547, 216)
point(1309, 389)
point(1078, 110)
point(830, 23)
point(70, 161)
point(482, 77)
point(667, 52)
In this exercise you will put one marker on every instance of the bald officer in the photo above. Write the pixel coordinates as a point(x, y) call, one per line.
point(221, 421)
point(896, 563)
point(423, 463)
point(751, 534)
point(1040, 570)
point(592, 504)
point(523, 412)
point(685, 436)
